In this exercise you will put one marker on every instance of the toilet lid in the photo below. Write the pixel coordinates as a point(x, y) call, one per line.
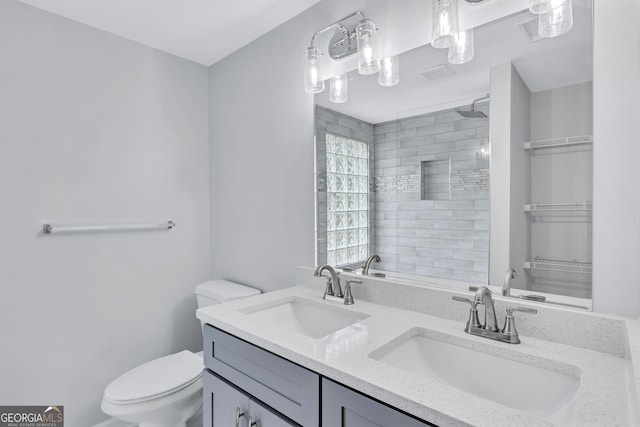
point(155, 379)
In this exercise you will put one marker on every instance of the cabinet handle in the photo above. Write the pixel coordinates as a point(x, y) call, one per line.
point(238, 416)
point(251, 422)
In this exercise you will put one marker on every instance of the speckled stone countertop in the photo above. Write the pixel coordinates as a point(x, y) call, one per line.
point(605, 397)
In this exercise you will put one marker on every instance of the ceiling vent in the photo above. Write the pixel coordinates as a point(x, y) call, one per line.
point(437, 72)
point(530, 29)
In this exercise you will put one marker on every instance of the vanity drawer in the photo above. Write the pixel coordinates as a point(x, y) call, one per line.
point(290, 389)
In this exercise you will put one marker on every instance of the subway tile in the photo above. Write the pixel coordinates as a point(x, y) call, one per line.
point(406, 232)
point(415, 260)
point(438, 148)
point(456, 135)
point(456, 243)
point(482, 132)
point(454, 204)
point(415, 122)
point(434, 214)
point(471, 214)
point(480, 245)
point(435, 129)
point(434, 253)
point(482, 204)
point(419, 141)
point(338, 130)
point(417, 243)
point(469, 144)
point(361, 136)
point(480, 256)
point(327, 115)
point(481, 225)
point(406, 250)
point(471, 124)
point(481, 266)
point(420, 205)
point(349, 122)
point(386, 127)
point(470, 195)
point(471, 235)
point(453, 225)
point(434, 234)
point(405, 268)
point(421, 224)
point(455, 264)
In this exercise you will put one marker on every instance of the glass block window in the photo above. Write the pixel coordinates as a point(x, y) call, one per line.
point(347, 200)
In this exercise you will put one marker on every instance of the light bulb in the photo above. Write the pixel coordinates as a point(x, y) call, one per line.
point(389, 74)
point(462, 48)
point(445, 23)
point(339, 89)
point(368, 62)
point(556, 22)
point(543, 6)
point(313, 82)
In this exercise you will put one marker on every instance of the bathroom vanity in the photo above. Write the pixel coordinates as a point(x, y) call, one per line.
point(289, 358)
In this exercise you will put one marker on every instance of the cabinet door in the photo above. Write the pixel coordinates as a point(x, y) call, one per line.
point(262, 416)
point(221, 402)
point(343, 407)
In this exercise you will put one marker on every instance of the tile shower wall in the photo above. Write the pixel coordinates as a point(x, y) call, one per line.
point(419, 228)
point(332, 122)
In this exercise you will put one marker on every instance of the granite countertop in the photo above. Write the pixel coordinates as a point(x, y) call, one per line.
point(604, 396)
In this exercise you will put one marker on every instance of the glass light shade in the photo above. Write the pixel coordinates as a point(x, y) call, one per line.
point(339, 89)
point(557, 22)
point(313, 82)
point(368, 62)
point(462, 49)
point(389, 74)
point(445, 23)
point(543, 6)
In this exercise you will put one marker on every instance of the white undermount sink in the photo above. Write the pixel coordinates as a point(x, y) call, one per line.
point(313, 319)
point(537, 385)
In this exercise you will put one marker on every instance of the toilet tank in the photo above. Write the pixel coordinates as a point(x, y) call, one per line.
point(214, 292)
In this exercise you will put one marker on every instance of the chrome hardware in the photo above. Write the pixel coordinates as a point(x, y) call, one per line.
point(348, 298)
point(251, 422)
point(333, 286)
point(509, 331)
point(473, 320)
point(508, 334)
point(532, 297)
point(473, 288)
point(367, 264)
point(238, 416)
point(506, 287)
point(55, 229)
point(483, 296)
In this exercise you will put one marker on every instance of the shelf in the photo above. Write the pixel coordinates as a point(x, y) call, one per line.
point(559, 142)
point(569, 207)
point(558, 265)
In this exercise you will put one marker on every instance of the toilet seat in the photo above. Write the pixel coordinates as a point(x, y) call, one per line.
point(155, 379)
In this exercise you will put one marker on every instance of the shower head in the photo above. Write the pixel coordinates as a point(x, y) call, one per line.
point(473, 113)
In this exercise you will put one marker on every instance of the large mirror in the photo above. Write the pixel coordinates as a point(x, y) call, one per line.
point(465, 175)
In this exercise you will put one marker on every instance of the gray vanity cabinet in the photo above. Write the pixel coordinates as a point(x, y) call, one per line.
point(226, 406)
point(274, 392)
point(289, 389)
point(343, 407)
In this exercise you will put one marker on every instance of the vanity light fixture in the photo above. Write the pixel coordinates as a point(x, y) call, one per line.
point(313, 82)
point(557, 21)
point(462, 48)
point(339, 89)
point(543, 6)
point(445, 23)
point(350, 37)
point(389, 74)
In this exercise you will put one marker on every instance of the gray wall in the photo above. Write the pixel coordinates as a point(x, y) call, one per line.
point(446, 235)
point(95, 129)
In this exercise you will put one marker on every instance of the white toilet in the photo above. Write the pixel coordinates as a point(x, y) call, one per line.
point(166, 392)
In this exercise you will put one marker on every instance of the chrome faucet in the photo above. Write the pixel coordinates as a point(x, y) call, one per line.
point(367, 264)
point(333, 283)
point(483, 296)
point(490, 330)
point(506, 288)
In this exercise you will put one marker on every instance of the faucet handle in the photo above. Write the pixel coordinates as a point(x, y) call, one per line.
point(473, 321)
point(348, 297)
point(509, 329)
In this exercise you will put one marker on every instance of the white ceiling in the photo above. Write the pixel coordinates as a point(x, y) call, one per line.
point(545, 64)
point(203, 31)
